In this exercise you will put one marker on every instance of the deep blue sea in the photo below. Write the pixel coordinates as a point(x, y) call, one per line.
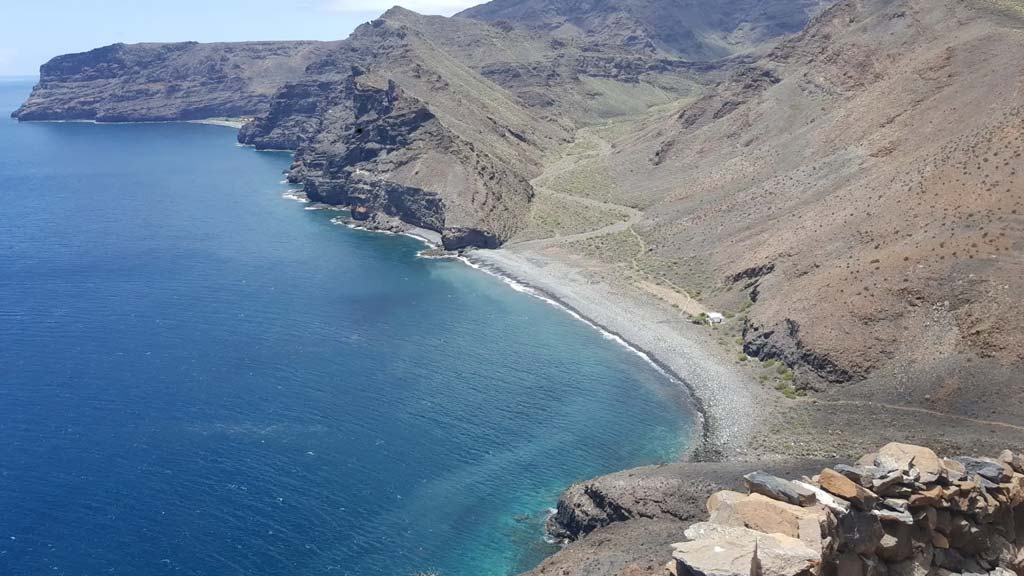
point(199, 377)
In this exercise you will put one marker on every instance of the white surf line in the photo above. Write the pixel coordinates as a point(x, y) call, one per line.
point(524, 288)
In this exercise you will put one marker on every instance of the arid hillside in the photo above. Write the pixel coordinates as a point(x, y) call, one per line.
point(856, 197)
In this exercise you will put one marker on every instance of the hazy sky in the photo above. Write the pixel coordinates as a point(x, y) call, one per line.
point(33, 31)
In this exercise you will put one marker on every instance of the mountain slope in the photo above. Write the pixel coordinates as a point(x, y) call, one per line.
point(862, 185)
point(684, 28)
point(440, 122)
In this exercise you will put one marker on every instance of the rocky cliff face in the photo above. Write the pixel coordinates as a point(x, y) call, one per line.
point(446, 120)
point(156, 82)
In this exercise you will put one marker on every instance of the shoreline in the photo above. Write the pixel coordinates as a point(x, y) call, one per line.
point(520, 284)
point(223, 122)
point(700, 369)
point(723, 397)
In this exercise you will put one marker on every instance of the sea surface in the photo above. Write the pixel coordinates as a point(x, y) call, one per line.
point(200, 377)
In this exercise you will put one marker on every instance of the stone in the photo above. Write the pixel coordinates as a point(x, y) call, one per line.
point(943, 521)
point(896, 504)
point(909, 457)
point(897, 544)
point(917, 566)
point(887, 484)
point(722, 497)
point(948, 559)
point(778, 489)
point(867, 460)
point(860, 532)
point(1018, 562)
point(763, 514)
point(1000, 551)
point(850, 564)
point(855, 473)
point(893, 516)
point(955, 471)
point(835, 483)
point(939, 541)
point(930, 497)
point(729, 551)
point(926, 517)
point(1014, 460)
point(835, 504)
point(987, 468)
point(967, 537)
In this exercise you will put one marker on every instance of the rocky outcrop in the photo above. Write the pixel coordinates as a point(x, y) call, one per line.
point(900, 510)
point(446, 120)
point(160, 82)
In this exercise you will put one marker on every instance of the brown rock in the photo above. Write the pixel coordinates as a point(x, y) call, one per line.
point(939, 541)
point(763, 514)
point(910, 457)
point(930, 497)
point(729, 551)
point(1015, 461)
point(954, 470)
point(867, 460)
point(835, 483)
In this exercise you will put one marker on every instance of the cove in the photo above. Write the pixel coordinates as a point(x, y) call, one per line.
point(202, 378)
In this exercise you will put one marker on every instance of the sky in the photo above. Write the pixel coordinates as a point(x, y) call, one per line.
point(33, 32)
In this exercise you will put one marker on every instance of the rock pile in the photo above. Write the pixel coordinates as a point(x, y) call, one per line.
point(901, 511)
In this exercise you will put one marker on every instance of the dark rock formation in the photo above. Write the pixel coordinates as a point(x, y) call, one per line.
point(438, 121)
point(157, 82)
point(615, 523)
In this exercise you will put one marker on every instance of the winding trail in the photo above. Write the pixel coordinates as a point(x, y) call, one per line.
point(919, 411)
point(563, 165)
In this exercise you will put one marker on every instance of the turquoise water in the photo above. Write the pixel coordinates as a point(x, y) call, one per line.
point(202, 378)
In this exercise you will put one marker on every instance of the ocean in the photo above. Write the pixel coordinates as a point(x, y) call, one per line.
point(200, 377)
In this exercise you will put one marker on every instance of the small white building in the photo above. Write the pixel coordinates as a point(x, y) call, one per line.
point(715, 318)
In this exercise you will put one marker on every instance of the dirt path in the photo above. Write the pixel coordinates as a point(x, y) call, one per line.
point(920, 411)
point(564, 165)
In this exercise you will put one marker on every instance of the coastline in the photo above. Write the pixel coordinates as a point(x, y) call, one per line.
point(725, 398)
point(728, 404)
point(224, 122)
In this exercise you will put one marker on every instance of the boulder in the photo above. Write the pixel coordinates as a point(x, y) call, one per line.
point(730, 551)
point(835, 483)
point(763, 514)
point(908, 458)
point(778, 489)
